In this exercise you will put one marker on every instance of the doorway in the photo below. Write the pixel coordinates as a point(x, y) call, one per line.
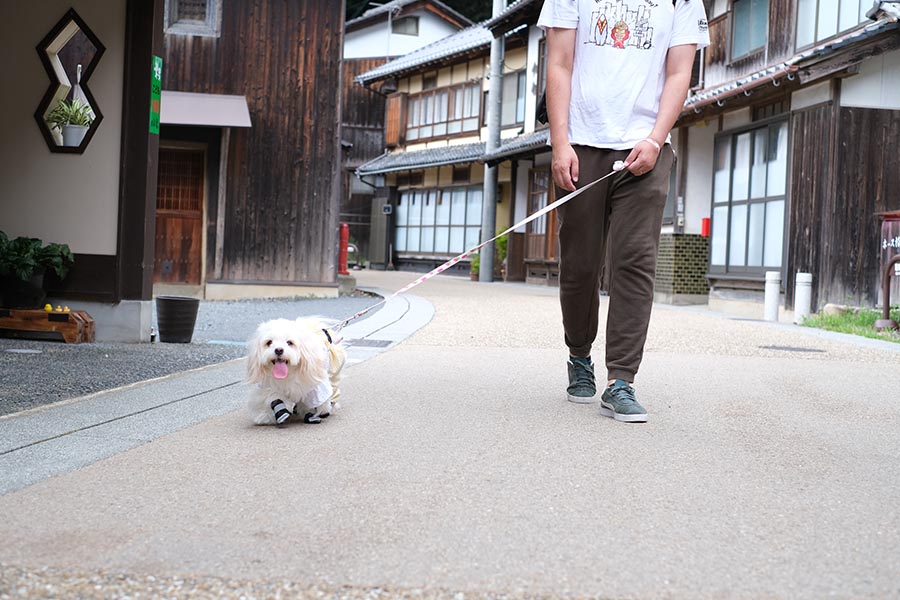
point(179, 216)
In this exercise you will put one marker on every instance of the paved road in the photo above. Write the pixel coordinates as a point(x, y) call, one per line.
point(768, 469)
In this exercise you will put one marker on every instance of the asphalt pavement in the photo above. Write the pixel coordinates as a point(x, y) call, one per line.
point(456, 469)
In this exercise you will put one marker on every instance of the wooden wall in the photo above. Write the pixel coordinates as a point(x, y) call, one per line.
point(719, 66)
point(842, 177)
point(282, 199)
point(363, 114)
point(811, 181)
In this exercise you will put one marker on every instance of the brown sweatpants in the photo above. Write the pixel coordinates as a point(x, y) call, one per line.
point(622, 216)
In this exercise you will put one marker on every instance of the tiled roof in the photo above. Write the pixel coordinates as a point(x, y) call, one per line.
point(399, 4)
point(524, 144)
point(520, 11)
point(422, 159)
point(476, 37)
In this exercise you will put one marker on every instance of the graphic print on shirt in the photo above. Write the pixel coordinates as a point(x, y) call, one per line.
point(615, 24)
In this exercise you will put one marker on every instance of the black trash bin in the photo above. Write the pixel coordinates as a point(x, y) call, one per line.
point(176, 316)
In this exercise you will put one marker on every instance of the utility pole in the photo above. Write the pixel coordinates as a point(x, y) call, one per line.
point(494, 104)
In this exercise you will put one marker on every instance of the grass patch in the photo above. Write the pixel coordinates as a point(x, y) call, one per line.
point(856, 322)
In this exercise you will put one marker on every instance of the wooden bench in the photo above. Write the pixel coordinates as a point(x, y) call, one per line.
point(73, 327)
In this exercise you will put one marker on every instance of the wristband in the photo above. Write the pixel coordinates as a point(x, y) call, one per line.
point(652, 141)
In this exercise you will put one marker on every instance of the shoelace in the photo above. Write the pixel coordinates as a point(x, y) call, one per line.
point(623, 393)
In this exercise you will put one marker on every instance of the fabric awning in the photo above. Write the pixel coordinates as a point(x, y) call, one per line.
point(205, 110)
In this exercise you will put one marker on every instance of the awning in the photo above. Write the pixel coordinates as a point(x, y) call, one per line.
point(205, 110)
point(520, 146)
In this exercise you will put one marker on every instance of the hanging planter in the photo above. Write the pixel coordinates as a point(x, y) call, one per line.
point(73, 119)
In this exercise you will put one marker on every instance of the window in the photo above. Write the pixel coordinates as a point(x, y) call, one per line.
point(405, 26)
point(818, 20)
point(447, 111)
point(540, 234)
point(749, 184)
point(193, 17)
point(512, 111)
point(749, 26)
point(445, 221)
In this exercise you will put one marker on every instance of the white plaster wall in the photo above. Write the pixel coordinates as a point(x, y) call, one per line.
point(811, 95)
point(876, 86)
point(375, 40)
point(698, 183)
point(66, 198)
point(736, 118)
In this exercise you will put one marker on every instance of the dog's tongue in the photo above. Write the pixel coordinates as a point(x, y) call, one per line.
point(280, 371)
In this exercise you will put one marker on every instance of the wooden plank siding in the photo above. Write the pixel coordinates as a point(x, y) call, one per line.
point(811, 182)
point(842, 177)
point(363, 114)
point(282, 199)
point(868, 182)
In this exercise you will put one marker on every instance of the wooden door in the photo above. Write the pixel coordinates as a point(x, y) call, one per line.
point(541, 234)
point(179, 216)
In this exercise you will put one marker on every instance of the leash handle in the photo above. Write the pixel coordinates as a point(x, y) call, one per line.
point(618, 166)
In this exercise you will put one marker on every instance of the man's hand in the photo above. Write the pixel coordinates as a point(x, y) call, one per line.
point(565, 166)
point(642, 158)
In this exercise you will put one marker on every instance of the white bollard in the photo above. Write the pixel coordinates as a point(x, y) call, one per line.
point(773, 295)
point(802, 296)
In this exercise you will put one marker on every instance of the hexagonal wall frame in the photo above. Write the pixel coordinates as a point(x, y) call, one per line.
point(70, 27)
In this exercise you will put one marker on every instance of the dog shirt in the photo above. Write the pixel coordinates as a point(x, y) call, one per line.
point(619, 64)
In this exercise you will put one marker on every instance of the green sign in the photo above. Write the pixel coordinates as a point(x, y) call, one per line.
point(155, 94)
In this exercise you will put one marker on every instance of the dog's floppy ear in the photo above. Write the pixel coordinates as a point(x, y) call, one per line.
point(313, 357)
point(254, 363)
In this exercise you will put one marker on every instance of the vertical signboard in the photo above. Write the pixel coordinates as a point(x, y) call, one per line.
point(155, 94)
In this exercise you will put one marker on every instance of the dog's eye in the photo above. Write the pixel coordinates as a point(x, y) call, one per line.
point(290, 343)
point(268, 343)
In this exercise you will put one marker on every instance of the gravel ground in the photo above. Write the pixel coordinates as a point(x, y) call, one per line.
point(35, 373)
point(17, 582)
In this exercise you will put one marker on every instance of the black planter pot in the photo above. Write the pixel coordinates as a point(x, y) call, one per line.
point(15, 293)
point(176, 316)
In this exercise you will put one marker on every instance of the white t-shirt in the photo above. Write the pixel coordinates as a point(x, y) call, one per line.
point(619, 66)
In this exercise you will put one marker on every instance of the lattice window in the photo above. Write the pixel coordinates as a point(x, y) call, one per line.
point(193, 17)
point(180, 186)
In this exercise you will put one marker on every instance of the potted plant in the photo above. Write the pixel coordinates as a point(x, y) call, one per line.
point(73, 119)
point(500, 251)
point(23, 262)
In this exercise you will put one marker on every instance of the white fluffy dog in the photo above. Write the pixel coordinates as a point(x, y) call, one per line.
point(296, 368)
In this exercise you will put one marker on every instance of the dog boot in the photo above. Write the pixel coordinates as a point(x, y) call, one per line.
point(312, 418)
point(281, 412)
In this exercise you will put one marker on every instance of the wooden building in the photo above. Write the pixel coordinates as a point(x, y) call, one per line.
point(785, 144)
point(98, 197)
point(250, 149)
point(379, 34)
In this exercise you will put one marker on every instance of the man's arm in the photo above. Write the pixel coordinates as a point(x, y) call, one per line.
point(560, 58)
point(679, 63)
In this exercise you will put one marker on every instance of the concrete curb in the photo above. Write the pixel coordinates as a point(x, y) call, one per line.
point(68, 435)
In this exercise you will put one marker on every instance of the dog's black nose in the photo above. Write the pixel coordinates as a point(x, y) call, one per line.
point(279, 351)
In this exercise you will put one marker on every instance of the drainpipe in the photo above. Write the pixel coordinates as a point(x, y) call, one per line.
point(494, 103)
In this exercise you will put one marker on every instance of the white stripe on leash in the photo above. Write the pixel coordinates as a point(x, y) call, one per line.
point(617, 166)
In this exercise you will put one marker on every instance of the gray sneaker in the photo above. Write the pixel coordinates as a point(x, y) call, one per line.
point(582, 386)
point(618, 402)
